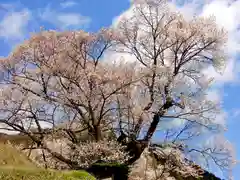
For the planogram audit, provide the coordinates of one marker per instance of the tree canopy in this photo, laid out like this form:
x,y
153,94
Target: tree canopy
x,y
70,77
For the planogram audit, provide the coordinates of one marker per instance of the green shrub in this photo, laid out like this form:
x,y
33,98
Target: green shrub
x,y
79,175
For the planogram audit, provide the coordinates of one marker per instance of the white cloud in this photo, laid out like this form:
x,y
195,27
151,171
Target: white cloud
x,y
226,13
64,20
68,4
14,24
226,16
5,7
214,96
126,14
8,130
236,113
230,74
171,124
72,19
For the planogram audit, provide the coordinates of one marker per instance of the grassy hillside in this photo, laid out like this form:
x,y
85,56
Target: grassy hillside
x,y
15,166
15,139
9,156
40,174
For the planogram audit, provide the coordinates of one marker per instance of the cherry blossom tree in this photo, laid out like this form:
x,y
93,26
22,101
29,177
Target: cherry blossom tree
x,y
59,74
173,52
69,77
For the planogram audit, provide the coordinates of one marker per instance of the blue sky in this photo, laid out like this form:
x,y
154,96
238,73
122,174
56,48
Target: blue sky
x,y
19,18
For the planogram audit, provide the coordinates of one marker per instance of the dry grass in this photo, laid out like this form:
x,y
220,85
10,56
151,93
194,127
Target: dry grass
x,y
10,156
15,139
15,166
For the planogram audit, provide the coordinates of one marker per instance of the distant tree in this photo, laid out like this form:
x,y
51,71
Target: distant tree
x,y
67,76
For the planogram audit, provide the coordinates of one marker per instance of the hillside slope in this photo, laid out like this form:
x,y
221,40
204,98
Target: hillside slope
x,y
9,156
15,166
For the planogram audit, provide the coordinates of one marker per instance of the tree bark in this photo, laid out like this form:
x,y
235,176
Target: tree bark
x,y
156,118
97,132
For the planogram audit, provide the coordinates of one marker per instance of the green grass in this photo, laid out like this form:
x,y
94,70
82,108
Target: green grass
x,y
15,166
41,174
79,175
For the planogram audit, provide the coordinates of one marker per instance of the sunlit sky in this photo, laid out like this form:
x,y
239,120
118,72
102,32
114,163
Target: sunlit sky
x,y
19,18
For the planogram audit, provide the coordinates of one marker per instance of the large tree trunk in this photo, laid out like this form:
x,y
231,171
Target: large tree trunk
x,y
136,147
152,127
97,132
156,118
